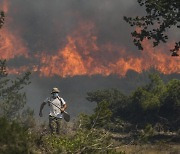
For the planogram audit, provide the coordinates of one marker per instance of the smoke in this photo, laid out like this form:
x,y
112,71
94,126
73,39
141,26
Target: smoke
x,y
74,89
44,25
76,39
80,37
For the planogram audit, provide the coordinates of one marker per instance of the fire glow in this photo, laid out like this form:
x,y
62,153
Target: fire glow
x,y
82,55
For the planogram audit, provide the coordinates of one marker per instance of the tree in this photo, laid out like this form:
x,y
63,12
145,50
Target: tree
x,y
154,103
145,106
116,99
156,85
102,115
170,108
160,16
13,137
12,99
146,101
110,95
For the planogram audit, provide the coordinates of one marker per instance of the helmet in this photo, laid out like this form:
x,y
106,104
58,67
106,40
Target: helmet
x,y
55,90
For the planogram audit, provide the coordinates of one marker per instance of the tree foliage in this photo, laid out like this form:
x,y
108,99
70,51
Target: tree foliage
x,y
171,103
161,15
12,99
102,115
116,99
156,102
13,137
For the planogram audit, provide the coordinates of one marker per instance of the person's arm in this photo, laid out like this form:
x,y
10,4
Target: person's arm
x,y
63,103
63,108
41,108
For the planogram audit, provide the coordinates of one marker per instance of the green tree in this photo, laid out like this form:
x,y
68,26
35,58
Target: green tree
x,y
155,102
156,85
160,16
146,100
171,103
145,106
118,102
102,115
13,137
12,99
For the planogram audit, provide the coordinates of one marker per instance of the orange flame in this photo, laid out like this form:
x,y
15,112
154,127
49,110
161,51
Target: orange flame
x,y
70,61
11,45
83,55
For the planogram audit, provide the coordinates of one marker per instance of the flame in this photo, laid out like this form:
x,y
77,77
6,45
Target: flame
x,y
84,55
11,45
17,71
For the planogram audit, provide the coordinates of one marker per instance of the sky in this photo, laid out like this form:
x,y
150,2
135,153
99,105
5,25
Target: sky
x,y
79,46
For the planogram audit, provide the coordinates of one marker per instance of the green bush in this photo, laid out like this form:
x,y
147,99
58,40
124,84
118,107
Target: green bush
x,y
84,141
13,137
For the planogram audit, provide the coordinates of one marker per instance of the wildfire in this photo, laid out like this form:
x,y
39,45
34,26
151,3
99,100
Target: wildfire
x,y
83,55
11,45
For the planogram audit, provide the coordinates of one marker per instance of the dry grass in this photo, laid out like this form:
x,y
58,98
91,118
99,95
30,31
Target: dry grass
x,y
150,149
165,143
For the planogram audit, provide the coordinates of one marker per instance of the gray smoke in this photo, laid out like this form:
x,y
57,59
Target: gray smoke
x,y
44,25
74,89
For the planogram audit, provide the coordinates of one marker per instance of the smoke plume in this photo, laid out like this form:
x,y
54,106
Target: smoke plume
x,y
75,44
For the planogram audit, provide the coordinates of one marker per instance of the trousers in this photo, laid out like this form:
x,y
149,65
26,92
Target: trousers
x,y
54,124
